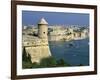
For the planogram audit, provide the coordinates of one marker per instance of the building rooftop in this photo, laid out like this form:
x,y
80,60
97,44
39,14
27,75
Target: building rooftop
x,y
43,21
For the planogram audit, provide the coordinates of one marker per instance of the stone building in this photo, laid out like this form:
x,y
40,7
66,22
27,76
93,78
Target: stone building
x,y
42,29
67,34
37,46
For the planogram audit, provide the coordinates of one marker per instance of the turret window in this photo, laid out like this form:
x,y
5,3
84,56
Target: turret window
x,y
44,32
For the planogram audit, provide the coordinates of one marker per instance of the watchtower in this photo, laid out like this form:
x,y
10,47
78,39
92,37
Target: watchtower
x,y
42,29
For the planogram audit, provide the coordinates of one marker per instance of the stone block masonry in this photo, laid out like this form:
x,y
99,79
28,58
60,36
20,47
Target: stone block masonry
x,y
37,46
37,53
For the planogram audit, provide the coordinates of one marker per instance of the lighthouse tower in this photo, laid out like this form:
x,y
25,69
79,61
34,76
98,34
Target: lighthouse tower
x,y
42,29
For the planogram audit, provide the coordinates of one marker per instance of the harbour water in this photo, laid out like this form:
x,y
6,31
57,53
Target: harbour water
x,y
74,52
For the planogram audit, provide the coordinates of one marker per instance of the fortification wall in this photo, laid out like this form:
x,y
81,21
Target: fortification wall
x,y
37,53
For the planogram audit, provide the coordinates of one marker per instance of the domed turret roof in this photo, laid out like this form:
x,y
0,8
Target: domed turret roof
x,y
43,21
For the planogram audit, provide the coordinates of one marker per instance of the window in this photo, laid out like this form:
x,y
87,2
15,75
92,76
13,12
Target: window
x,y
44,32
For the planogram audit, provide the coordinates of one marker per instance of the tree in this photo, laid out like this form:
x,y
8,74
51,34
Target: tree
x,y
29,58
24,55
26,59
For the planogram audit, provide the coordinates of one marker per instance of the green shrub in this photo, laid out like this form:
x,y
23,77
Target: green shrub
x,y
61,62
26,65
48,62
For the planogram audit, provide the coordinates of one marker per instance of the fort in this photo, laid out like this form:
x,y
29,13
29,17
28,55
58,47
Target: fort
x,y
36,39
37,46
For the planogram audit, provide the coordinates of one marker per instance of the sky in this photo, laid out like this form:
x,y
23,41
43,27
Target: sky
x,y
55,18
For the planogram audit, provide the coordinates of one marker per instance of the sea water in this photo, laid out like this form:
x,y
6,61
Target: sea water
x,y
74,52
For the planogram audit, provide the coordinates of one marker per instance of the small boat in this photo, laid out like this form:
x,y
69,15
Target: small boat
x,y
71,44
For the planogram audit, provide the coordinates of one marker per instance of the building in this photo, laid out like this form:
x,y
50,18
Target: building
x,y
37,46
42,29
